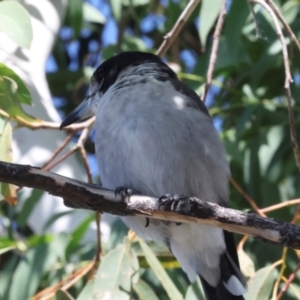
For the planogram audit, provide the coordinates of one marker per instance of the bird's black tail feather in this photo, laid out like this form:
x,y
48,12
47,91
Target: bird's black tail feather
x,y
218,293
229,266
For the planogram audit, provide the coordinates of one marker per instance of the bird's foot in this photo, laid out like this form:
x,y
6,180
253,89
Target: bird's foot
x,y
173,203
125,192
186,205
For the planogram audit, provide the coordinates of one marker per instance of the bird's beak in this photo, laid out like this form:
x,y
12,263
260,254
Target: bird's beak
x,y
85,110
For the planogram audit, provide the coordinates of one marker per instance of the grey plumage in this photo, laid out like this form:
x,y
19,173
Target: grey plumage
x,y
154,135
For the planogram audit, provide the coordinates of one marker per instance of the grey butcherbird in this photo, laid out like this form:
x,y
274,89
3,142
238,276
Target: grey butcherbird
x,y
154,135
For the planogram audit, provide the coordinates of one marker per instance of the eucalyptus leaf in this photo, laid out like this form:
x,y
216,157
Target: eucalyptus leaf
x,y
144,291
116,7
8,191
9,100
23,93
195,291
114,276
15,23
160,272
30,271
75,16
87,292
246,264
91,14
260,286
209,11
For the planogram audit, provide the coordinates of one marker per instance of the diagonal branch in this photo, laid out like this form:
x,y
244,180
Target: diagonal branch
x,y
215,48
77,194
288,76
172,35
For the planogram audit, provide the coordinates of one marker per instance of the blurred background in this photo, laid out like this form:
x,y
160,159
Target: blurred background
x,y
42,242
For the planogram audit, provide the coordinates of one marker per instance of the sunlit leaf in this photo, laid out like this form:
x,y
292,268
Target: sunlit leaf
x,y
87,292
15,22
22,90
115,274
294,290
260,286
116,7
131,43
195,291
30,270
160,272
8,191
246,264
91,14
289,11
135,2
7,249
144,291
208,15
9,100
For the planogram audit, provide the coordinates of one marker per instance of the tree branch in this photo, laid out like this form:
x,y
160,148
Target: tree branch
x,y
214,49
172,35
78,194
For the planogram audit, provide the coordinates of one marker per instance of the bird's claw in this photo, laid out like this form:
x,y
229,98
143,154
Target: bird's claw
x,y
125,192
172,202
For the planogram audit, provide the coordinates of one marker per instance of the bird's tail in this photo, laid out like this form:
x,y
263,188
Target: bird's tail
x,y
232,284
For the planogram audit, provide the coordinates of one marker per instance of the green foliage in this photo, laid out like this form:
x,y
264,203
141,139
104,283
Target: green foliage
x,y
13,93
15,23
261,284
247,102
208,14
6,190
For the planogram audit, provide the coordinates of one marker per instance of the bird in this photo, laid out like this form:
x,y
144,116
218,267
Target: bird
x,y
154,135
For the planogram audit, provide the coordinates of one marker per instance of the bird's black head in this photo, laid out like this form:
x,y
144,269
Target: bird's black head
x,y
118,67
108,72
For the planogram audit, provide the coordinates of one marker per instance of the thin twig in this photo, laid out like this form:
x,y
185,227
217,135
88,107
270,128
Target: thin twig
x,y
79,276
257,30
49,292
284,23
283,266
58,150
99,247
247,197
40,124
288,282
288,78
51,166
242,242
280,205
214,50
293,132
79,147
171,36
